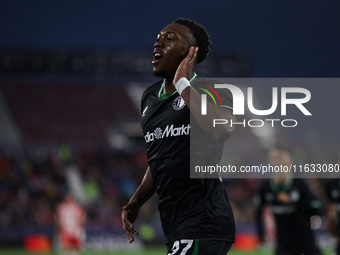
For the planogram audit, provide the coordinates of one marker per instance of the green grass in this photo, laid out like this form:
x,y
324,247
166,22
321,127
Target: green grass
x,y
148,251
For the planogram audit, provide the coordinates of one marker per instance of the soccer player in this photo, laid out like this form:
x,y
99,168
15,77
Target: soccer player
x,y
333,210
70,220
292,204
196,214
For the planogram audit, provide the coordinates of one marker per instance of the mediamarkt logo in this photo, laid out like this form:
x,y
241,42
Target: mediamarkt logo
x,y
169,131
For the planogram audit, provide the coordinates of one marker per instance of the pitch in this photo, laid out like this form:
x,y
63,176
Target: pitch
x,y
157,250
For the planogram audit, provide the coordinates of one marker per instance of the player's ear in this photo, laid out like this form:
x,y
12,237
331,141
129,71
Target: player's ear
x,y
196,58
186,52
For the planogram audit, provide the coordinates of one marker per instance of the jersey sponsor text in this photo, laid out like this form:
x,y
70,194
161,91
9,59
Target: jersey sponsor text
x,y
169,131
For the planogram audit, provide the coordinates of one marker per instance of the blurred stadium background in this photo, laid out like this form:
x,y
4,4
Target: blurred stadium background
x,y
71,77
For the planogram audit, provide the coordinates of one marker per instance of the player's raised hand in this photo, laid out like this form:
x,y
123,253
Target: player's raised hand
x,y
129,215
186,67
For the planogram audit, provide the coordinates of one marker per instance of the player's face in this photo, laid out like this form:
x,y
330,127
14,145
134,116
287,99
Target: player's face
x,y
171,47
280,158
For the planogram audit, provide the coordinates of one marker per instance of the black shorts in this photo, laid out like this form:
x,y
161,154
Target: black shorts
x,y
198,247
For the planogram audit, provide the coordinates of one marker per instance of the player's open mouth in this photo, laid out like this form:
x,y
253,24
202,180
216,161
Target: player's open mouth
x,y
157,56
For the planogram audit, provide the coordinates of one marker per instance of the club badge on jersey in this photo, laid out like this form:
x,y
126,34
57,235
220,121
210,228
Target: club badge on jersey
x,y
178,103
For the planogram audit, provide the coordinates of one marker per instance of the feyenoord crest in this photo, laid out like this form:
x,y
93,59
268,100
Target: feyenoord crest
x,y
178,103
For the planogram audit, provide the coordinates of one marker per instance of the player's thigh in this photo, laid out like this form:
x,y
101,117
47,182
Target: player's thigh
x,y
198,247
212,247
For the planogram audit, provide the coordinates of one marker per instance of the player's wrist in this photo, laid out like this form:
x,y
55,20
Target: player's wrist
x,y
182,84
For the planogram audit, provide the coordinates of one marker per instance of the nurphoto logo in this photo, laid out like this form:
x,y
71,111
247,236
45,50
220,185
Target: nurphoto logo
x,y
240,102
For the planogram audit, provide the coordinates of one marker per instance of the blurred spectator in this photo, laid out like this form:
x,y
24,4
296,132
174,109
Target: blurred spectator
x,y
70,221
292,204
333,210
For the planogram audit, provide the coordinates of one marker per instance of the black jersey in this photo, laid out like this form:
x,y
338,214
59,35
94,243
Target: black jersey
x,y
189,208
333,194
293,227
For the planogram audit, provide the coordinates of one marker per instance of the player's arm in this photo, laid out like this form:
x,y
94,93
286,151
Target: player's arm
x,y
193,100
308,204
130,211
219,132
331,218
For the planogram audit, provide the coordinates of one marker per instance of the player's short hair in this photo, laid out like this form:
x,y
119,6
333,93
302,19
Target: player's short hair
x,y
200,35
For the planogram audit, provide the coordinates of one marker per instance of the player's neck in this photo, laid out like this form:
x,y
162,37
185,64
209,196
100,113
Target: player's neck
x,y
169,85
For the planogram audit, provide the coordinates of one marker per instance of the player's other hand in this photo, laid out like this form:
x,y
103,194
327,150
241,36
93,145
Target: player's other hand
x,y
283,197
187,66
129,215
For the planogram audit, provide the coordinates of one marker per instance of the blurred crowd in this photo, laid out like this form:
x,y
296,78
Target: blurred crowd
x,y
32,184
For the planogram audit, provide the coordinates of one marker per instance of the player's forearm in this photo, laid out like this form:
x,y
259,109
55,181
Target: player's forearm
x,y
219,132
331,216
145,190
